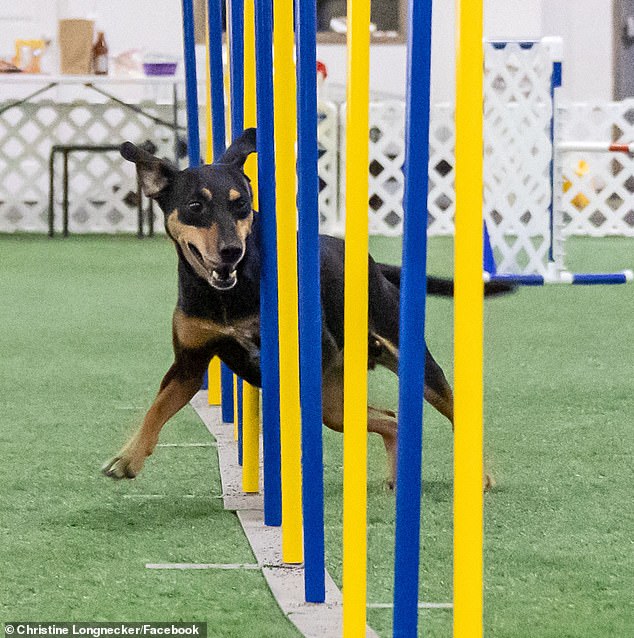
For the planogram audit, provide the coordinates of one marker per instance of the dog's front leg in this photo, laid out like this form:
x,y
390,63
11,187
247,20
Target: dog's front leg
x,y
179,385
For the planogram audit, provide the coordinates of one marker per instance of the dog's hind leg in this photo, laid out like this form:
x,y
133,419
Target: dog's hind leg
x,y
382,422
437,391
179,385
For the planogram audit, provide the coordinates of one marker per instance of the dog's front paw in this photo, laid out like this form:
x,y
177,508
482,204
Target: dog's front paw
x,y
124,465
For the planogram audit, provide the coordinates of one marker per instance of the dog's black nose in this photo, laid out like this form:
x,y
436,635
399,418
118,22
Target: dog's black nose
x,y
230,254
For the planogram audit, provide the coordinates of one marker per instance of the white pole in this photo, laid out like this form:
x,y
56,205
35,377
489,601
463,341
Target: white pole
x,y
595,147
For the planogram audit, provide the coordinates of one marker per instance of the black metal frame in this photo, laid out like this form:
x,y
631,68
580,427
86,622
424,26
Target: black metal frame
x,y
66,150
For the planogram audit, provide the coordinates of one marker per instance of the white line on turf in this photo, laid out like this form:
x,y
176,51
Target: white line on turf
x,y
176,496
421,605
229,566
211,444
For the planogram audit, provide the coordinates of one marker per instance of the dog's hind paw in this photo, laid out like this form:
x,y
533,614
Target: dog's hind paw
x,y
122,467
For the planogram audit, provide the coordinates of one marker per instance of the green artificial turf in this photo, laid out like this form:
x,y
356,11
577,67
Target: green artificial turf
x,y
85,340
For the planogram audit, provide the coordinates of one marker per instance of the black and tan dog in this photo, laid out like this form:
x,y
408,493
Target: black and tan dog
x,y
209,217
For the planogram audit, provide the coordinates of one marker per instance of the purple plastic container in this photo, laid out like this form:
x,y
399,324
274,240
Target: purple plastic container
x,y
159,68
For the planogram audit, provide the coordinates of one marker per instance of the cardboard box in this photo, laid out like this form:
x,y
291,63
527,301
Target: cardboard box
x,y
75,39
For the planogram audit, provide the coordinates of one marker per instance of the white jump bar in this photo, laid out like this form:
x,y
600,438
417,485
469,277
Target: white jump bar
x,y
596,147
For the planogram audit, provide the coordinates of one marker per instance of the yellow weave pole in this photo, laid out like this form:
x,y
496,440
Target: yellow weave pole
x,y
209,146
213,370
355,401
235,408
285,177
250,105
250,394
213,382
227,86
250,438
468,326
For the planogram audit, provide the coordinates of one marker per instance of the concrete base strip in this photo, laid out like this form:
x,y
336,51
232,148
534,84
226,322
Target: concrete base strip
x,y
230,472
229,566
285,581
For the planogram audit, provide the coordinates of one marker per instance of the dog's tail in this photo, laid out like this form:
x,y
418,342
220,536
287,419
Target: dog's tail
x,y
443,287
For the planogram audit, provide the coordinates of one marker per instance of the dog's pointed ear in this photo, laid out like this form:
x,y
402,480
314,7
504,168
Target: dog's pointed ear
x,y
155,174
236,155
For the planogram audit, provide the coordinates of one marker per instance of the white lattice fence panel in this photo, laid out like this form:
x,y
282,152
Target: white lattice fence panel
x,y
102,188
386,156
599,187
517,155
441,201
328,168
386,159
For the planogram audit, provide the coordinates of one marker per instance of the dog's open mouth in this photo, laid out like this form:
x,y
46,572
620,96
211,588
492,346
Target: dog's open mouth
x,y
223,278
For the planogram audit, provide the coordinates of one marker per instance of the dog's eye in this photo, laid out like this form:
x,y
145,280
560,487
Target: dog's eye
x,y
195,207
242,207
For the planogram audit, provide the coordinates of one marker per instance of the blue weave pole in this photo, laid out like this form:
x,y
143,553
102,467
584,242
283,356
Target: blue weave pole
x,y
309,302
236,70
269,337
216,80
191,86
412,322
216,77
226,393
239,395
236,66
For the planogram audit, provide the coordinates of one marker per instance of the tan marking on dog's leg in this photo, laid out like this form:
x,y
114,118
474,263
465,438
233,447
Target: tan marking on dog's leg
x,y
444,404
332,397
170,399
383,422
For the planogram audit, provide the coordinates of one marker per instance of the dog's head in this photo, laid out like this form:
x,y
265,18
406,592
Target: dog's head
x,y
208,209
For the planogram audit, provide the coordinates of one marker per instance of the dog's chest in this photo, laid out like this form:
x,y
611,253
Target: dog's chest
x,y
196,332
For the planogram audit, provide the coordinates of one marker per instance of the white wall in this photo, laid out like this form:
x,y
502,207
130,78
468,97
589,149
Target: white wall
x,y
502,19
24,19
155,25
586,26
152,25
